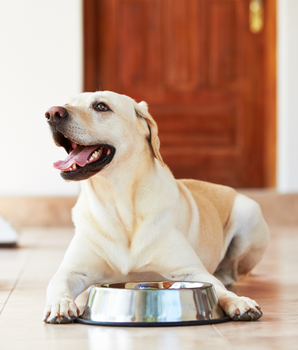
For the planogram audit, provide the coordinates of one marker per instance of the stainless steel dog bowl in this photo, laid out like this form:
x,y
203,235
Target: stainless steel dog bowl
x,y
165,303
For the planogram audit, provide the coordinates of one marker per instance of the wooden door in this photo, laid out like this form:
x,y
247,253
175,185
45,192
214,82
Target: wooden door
x,y
203,73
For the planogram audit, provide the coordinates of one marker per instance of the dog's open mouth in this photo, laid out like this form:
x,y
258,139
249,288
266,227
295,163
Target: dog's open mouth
x,y
82,161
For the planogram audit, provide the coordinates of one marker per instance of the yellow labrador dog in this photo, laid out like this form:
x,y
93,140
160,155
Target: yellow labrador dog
x,y
134,221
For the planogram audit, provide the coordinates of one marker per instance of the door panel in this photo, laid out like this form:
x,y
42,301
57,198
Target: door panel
x,y
180,45
222,30
136,45
201,71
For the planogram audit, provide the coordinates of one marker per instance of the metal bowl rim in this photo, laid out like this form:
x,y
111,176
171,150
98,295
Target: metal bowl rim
x,y
105,286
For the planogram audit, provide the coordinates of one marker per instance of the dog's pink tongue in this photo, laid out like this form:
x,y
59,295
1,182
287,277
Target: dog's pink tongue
x,y
77,156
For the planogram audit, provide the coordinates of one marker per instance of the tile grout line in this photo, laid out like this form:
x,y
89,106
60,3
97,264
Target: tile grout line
x,y
229,346
14,285
27,261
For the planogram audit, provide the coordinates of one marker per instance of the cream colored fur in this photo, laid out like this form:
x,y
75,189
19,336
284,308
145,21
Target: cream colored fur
x,y
134,221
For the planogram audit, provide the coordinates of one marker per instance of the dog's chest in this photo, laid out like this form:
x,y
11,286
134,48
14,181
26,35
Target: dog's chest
x,y
120,242
123,258
126,234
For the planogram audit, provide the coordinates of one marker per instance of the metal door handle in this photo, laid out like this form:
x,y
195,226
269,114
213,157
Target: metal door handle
x,y
256,16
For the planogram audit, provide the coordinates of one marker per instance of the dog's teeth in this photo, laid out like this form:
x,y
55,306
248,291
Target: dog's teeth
x,y
95,155
73,167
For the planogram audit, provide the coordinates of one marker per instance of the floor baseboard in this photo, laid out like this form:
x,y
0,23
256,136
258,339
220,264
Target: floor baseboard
x,y
37,211
278,209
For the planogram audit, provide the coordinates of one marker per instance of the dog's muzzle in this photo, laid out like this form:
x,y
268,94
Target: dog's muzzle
x,y
83,161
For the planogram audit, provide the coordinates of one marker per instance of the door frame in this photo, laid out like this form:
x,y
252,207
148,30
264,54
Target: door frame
x,y
270,86
90,52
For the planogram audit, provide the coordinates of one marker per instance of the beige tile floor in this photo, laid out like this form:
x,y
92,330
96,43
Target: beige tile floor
x,y
26,271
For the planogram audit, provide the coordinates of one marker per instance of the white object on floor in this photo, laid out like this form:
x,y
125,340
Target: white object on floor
x,y
7,234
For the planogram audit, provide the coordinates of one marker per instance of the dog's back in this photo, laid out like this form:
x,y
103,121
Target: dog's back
x,y
208,194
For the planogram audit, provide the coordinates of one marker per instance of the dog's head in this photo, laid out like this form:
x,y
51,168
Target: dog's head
x,y
98,129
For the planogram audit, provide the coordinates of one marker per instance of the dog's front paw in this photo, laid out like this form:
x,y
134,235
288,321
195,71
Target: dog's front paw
x,y
242,309
62,311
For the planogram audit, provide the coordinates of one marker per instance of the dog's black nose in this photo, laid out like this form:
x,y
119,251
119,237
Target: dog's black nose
x,y
56,114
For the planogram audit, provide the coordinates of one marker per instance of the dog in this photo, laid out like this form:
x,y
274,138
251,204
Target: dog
x,y
134,221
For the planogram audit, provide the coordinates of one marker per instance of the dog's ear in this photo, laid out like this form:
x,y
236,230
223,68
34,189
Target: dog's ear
x,y
142,112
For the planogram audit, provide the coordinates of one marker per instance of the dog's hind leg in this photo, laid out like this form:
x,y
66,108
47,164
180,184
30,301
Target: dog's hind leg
x,y
246,240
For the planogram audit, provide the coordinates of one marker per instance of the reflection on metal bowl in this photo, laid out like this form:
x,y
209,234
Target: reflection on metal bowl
x,y
165,303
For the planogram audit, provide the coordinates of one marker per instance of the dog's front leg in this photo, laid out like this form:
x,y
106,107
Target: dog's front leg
x,y
80,268
63,289
181,263
238,308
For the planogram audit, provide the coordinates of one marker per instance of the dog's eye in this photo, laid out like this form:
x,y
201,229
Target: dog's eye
x,y
101,107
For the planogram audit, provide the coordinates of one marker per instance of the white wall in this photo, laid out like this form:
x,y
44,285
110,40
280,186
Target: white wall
x,y
287,146
40,66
